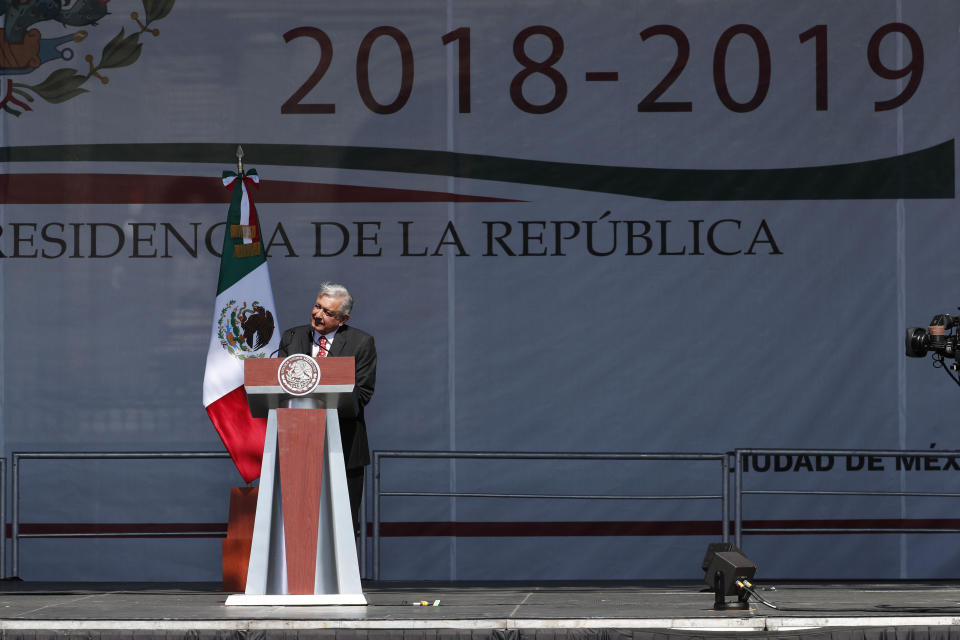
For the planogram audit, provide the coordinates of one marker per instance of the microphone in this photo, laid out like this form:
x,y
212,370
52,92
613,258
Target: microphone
x,y
282,346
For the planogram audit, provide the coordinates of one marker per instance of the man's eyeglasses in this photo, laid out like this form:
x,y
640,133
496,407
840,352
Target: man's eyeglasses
x,y
326,312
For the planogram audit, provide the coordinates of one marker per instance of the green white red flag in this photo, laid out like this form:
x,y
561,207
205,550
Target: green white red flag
x,y
244,326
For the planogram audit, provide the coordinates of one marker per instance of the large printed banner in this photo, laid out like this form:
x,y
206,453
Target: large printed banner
x,y
582,227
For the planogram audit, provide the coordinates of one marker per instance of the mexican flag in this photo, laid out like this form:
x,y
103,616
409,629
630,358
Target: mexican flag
x,y
244,326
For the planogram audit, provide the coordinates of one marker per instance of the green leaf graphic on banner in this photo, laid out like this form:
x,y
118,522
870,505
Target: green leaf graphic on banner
x,y
121,51
157,9
61,85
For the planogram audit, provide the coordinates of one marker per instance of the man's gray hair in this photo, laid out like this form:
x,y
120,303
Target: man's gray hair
x,y
335,290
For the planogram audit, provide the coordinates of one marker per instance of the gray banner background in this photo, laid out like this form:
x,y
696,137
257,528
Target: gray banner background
x,y
800,347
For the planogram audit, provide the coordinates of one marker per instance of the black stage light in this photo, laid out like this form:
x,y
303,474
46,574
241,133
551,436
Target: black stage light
x,y
728,573
713,548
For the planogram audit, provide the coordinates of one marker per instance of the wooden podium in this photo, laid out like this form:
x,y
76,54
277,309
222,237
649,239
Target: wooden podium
x,y
303,550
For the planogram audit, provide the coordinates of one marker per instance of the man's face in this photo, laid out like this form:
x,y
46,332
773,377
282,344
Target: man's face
x,y
325,315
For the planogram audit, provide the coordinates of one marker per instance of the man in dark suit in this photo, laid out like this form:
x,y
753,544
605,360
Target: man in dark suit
x,y
329,335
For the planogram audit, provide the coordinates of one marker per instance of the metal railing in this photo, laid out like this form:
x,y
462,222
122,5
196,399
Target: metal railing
x,y
3,517
105,455
735,458
740,491
379,494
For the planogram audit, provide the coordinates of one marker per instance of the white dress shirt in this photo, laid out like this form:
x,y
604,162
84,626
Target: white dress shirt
x,y
315,347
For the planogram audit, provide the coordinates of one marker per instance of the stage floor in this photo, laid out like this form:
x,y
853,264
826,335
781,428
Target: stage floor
x,y
169,608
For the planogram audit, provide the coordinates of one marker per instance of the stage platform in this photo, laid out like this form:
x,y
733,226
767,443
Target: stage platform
x,y
485,610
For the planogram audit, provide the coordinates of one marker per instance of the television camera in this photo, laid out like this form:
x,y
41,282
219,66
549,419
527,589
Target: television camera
x,y
942,337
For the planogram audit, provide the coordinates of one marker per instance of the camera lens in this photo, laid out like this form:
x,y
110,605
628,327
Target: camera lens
x,y
917,342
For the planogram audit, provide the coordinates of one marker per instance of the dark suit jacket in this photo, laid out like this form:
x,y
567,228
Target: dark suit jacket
x,y
360,345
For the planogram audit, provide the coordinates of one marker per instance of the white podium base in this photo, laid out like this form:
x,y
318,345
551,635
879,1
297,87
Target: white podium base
x,y
337,570
343,599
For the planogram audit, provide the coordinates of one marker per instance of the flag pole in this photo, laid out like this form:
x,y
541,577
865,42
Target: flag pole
x,y
239,160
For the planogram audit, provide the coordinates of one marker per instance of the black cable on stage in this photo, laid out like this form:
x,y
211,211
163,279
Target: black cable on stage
x,y
875,610
746,586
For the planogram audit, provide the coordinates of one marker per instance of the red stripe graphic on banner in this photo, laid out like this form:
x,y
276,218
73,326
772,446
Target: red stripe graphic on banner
x,y
105,188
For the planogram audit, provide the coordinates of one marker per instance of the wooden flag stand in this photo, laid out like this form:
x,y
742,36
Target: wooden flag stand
x,y
303,550
236,546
